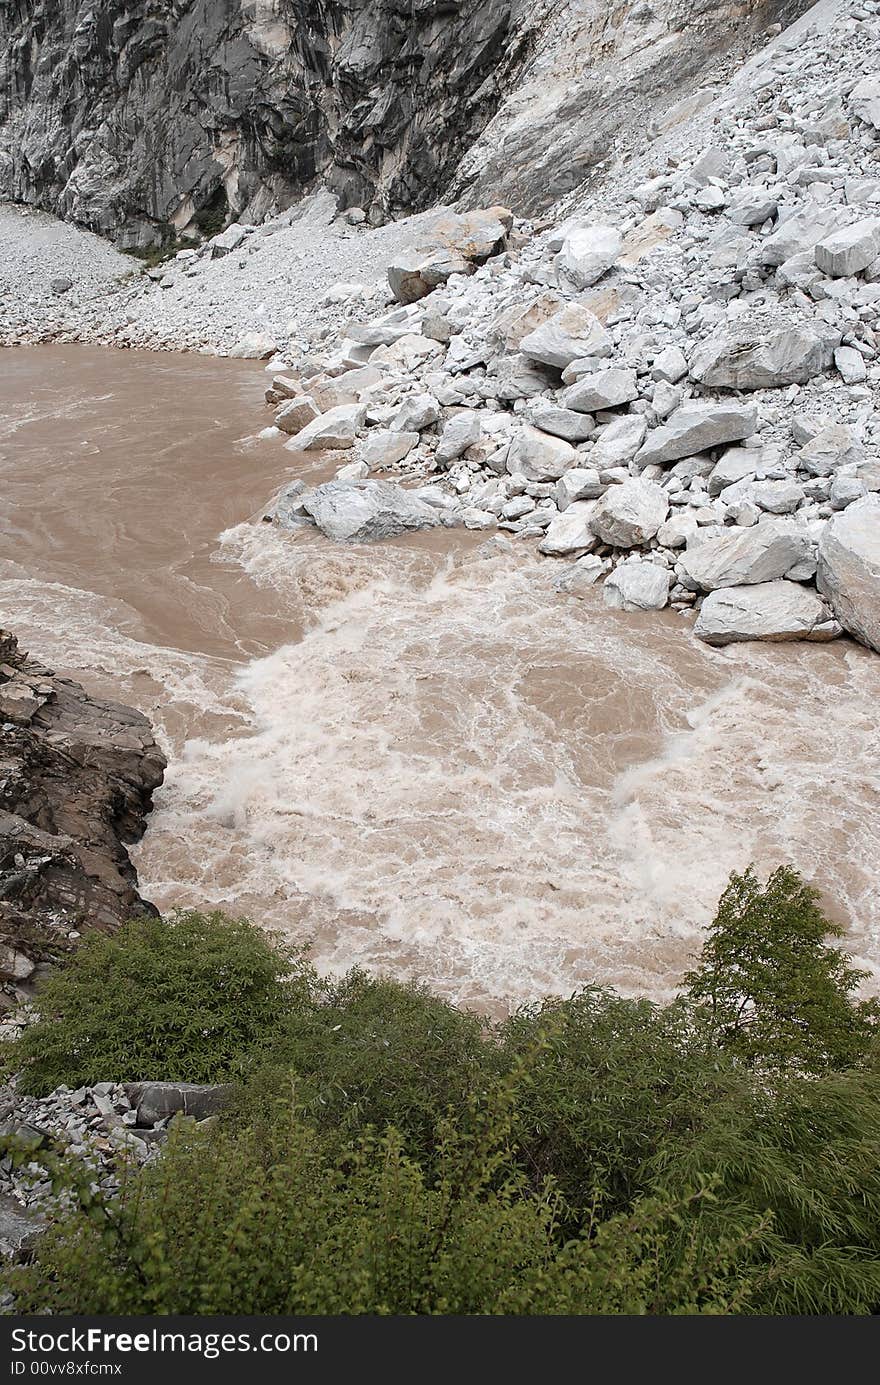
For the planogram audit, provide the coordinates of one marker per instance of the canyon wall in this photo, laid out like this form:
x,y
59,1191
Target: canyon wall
x,y
141,118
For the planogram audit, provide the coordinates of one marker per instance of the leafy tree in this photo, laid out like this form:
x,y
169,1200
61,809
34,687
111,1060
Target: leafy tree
x,y
187,998
369,1051
776,993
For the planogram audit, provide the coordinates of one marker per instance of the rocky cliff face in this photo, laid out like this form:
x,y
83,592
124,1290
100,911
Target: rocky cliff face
x,y
76,780
131,116
139,117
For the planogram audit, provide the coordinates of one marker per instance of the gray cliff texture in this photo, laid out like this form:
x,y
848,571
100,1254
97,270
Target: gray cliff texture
x,y
146,114
139,118
77,776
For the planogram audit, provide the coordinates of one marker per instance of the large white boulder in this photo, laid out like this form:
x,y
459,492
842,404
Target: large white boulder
x,y
864,100
462,431
540,457
587,253
414,413
338,428
363,511
744,358
567,336
742,557
773,611
799,232
637,585
618,442
835,446
562,423
581,483
293,416
849,568
570,533
630,514
383,448
695,427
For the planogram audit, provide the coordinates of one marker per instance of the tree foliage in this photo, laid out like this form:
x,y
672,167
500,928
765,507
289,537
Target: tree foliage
x,y
777,994
389,1153
183,999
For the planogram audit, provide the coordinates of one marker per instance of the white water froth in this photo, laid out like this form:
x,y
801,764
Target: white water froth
x,y
458,775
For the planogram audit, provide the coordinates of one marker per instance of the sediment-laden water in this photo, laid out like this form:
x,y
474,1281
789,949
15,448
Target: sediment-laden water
x,y
416,754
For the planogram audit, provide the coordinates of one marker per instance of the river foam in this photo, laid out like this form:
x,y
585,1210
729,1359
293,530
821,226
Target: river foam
x,y
416,755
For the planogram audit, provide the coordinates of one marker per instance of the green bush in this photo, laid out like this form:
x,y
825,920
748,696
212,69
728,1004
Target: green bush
x,y
606,1083
277,1221
189,998
389,1153
370,1052
804,1155
775,993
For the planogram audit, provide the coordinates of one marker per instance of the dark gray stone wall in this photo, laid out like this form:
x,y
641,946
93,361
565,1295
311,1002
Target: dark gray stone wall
x,y
132,116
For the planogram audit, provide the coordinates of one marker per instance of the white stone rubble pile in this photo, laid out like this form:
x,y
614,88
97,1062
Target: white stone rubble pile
x,y
675,387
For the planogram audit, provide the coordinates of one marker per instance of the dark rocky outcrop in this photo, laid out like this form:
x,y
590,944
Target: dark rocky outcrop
x,y
77,776
136,116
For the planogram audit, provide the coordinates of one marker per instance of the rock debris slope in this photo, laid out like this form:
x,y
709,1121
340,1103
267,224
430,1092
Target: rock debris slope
x,y
76,781
675,386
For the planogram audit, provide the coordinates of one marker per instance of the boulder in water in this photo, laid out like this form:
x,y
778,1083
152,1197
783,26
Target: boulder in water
x,y
364,511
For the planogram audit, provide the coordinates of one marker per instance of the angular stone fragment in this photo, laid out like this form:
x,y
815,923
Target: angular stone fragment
x,y
462,431
864,100
772,611
637,585
742,557
416,412
849,568
587,253
742,359
364,511
562,423
629,515
538,456
570,533
695,427
830,448
581,483
849,250
338,428
606,389
569,334
293,416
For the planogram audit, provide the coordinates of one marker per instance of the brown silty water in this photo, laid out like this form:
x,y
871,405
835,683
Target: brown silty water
x,y
415,754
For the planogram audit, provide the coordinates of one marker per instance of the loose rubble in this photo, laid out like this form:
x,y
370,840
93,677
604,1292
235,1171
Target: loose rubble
x,y
104,1128
676,381
678,368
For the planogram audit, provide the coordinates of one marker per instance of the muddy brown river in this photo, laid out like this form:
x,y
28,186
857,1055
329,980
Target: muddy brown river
x,y
415,755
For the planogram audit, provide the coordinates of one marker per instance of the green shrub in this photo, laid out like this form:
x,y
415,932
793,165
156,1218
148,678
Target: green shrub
x,y
189,998
804,1154
606,1083
375,1052
278,1221
775,993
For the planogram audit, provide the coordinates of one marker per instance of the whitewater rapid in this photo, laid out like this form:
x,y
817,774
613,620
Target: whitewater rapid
x,y
417,756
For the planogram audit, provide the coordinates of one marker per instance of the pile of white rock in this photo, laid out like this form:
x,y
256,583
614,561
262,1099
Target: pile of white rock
x,y
674,388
